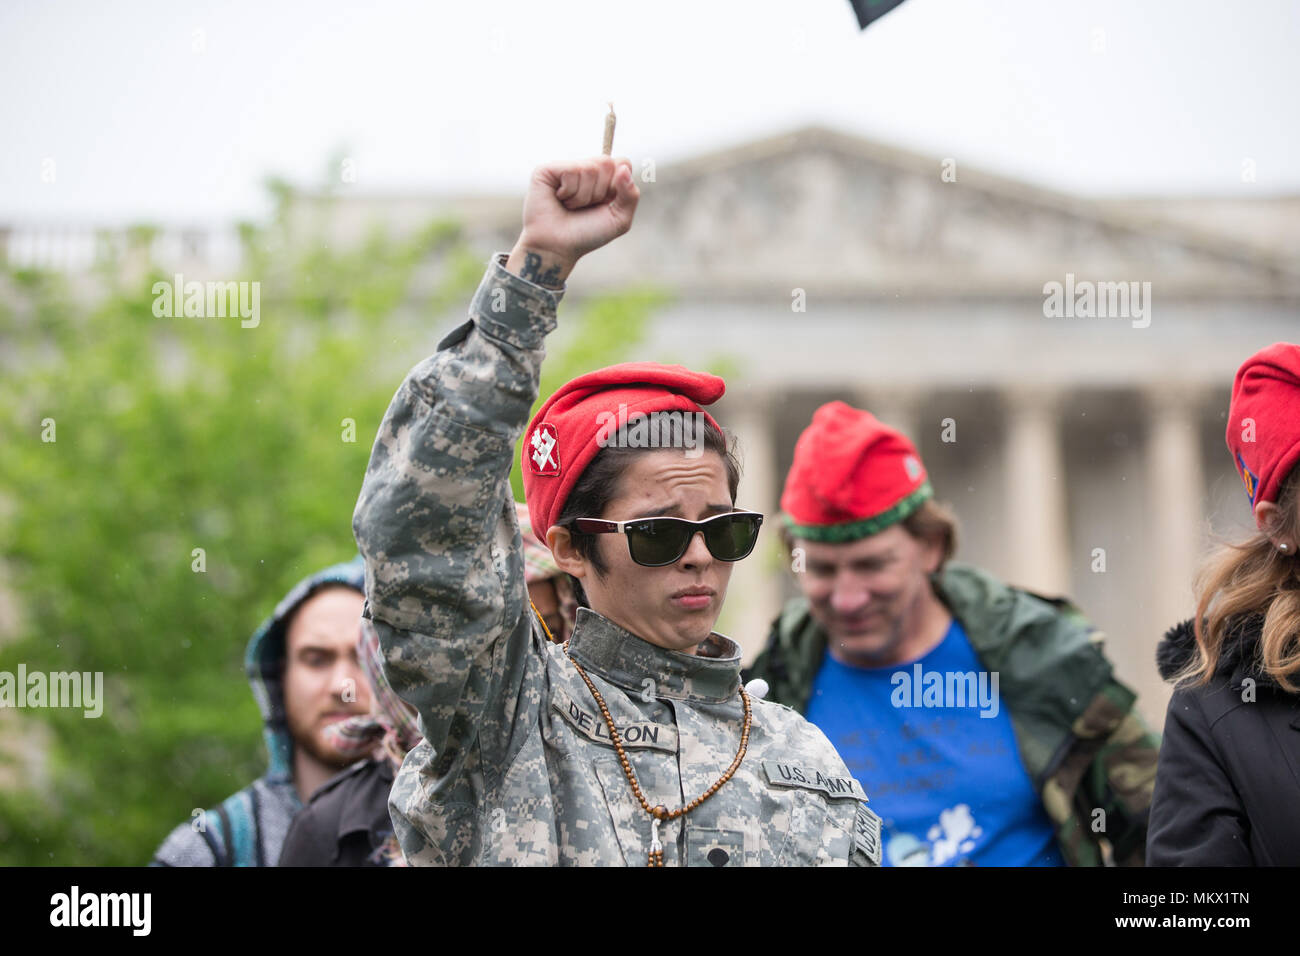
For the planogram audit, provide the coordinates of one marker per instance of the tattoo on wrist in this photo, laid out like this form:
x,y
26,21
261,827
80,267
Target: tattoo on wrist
x,y
532,271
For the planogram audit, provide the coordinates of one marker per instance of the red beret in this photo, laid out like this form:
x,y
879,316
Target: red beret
x,y
852,477
1264,420
562,438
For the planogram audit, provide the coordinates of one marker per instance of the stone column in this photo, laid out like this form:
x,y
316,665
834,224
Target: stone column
x,y
1174,490
898,408
1036,518
754,594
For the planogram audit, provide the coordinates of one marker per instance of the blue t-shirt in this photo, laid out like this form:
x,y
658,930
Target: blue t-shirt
x,y
937,756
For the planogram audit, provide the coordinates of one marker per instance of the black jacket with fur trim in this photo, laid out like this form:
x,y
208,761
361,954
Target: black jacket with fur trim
x,y
1227,787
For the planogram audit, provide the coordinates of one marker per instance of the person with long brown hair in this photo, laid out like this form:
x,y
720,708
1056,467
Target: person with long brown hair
x,y
1228,780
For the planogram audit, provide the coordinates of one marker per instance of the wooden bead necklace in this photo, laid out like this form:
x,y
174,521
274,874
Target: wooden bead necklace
x,y
661,814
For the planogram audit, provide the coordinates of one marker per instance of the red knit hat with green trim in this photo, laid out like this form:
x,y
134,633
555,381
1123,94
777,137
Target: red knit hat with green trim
x,y
852,477
1264,420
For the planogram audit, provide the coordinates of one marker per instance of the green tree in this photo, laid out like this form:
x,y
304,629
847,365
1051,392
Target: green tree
x,y
177,434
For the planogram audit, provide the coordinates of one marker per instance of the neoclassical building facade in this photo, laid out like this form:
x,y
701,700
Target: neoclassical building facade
x,y
1081,447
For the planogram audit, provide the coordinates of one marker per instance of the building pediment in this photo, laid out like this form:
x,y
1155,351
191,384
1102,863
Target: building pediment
x,y
820,208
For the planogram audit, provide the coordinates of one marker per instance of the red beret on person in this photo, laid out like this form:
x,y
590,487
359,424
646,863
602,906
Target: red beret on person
x,y
1264,420
852,476
562,438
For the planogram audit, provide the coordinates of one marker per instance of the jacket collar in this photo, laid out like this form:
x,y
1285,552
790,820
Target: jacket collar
x,y
1238,654
710,676
358,812
1048,655
1050,667
994,615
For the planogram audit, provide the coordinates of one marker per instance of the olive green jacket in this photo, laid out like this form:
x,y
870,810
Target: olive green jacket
x,y
1084,746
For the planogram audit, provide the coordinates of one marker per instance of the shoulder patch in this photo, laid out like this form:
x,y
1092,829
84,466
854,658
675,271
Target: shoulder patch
x,y
347,772
866,835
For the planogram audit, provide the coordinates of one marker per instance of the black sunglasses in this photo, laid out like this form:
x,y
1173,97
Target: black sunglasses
x,y
655,542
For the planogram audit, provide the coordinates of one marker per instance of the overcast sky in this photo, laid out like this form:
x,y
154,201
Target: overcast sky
x,y
176,111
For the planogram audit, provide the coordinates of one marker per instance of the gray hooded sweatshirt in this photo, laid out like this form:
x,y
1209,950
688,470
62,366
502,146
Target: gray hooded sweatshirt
x,y
248,828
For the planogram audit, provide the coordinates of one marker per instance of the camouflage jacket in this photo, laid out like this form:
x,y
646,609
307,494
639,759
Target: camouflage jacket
x,y
1084,747
517,765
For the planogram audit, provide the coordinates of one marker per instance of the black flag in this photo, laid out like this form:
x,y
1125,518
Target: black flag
x,y
869,11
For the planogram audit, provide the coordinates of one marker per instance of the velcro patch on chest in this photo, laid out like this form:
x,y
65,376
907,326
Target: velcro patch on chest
x,y
781,774
587,720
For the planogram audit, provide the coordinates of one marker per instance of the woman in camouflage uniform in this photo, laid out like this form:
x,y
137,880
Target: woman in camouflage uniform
x,y
634,742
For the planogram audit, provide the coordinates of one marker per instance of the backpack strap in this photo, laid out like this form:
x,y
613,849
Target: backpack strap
x,y
257,827
238,817
221,851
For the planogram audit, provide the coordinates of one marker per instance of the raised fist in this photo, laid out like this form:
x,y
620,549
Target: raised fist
x,y
571,209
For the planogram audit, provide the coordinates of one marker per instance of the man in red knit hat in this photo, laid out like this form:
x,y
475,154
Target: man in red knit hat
x,y
633,742
985,725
